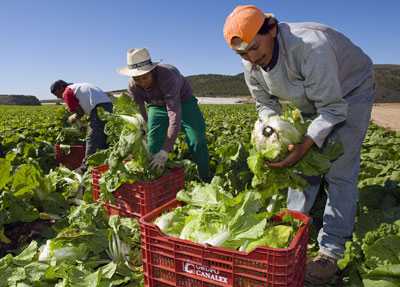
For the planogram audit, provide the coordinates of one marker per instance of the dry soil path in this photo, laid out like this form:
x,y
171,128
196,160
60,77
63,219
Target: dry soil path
x,y
387,116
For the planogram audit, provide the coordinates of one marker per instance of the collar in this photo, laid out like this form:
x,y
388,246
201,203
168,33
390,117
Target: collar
x,y
274,58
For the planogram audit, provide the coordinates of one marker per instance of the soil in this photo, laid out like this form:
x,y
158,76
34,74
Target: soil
x,y
387,115
22,233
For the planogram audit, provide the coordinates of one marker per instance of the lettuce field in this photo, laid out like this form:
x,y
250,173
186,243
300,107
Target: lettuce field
x,y
53,234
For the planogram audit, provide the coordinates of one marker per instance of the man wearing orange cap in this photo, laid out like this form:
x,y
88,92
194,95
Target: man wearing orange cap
x,y
327,77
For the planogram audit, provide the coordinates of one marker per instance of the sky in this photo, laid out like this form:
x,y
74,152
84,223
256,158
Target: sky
x,y
87,40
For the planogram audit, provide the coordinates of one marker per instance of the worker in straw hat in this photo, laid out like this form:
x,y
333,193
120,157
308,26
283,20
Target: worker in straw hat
x,y
171,107
84,99
328,78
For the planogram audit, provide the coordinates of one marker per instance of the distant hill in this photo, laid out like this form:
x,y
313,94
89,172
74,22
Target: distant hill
x,y
218,85
215,85
387,84
387,79
19,100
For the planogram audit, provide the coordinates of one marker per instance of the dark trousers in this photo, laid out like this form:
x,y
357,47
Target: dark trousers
x,y
96,138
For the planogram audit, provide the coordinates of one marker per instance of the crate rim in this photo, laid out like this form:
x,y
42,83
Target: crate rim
x,y
137,198
144,220
174,169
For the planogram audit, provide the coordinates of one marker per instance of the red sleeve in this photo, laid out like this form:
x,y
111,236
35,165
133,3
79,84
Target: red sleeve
x,y
70,99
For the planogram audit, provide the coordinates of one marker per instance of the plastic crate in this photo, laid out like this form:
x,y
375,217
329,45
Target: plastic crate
x,y
139,198
169,261
73,159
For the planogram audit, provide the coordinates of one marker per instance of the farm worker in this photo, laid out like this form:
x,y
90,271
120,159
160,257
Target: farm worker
x,y
325,75
84,98
171,107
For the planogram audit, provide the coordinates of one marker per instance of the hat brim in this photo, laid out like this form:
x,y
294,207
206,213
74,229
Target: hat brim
x,y
126,71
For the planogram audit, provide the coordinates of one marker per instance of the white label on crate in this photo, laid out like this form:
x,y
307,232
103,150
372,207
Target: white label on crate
x,y
204,272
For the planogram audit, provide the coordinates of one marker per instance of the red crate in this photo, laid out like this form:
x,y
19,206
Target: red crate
x,y
139,198
169,261
74,159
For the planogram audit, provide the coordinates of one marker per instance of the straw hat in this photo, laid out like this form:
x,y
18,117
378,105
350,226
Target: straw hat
x,y
139,63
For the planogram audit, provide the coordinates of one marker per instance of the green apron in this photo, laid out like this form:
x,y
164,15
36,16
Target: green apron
x,y
194,127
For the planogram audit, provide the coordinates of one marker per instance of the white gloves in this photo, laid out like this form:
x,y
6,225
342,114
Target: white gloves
x,y
72,119
158,160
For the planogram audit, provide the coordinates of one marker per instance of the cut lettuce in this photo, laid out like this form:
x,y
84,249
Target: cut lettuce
x,y
212,216
271,138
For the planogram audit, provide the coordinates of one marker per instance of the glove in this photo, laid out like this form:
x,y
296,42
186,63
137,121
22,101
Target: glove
x,y
72,118
158,160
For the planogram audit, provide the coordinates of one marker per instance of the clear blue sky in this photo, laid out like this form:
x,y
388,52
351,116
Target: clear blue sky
x,y
86,41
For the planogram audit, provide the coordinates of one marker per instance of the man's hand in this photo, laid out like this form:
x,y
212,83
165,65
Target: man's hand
x,y
297,151
72,119
158,160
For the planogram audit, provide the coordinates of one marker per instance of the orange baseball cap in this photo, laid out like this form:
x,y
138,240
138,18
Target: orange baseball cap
x,y
244,22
